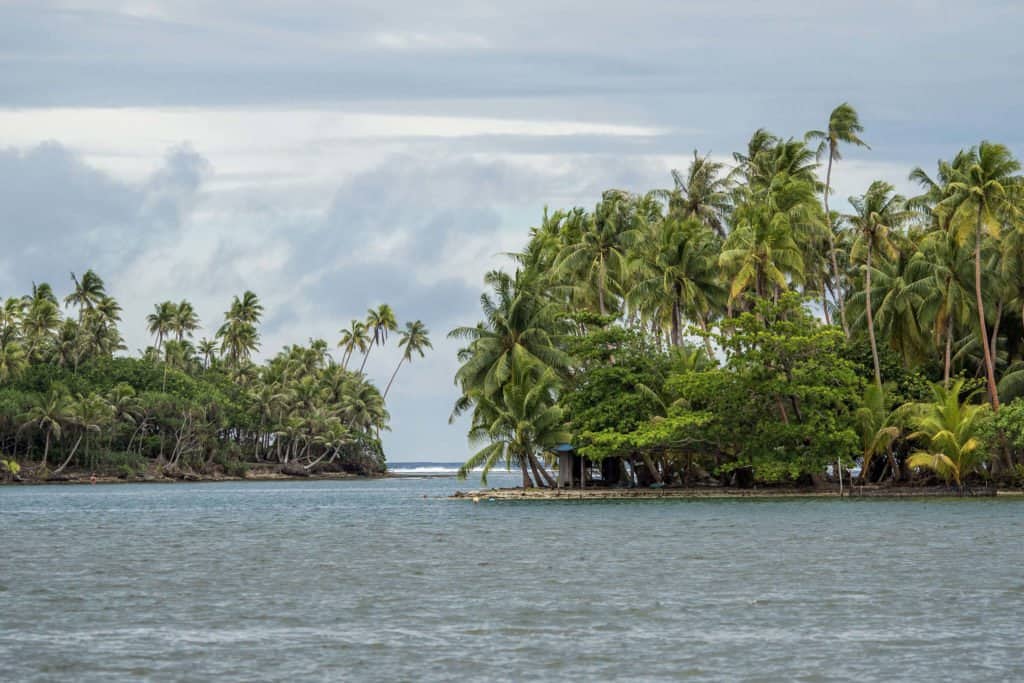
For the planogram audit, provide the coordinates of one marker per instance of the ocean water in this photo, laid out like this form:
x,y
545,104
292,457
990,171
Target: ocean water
x,y
387,580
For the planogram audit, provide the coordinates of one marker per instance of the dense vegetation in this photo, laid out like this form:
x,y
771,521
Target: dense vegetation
x,y
737,328
70,398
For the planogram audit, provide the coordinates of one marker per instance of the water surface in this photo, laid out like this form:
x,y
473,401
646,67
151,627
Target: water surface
x,y
387,580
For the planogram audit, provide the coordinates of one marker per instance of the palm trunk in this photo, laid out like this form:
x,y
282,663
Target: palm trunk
x,y
707,341
526,475
600,288
989,369
365,357
995,331
871,319
71,455
538,467
388,387
832,248
676,325
949,353
46,449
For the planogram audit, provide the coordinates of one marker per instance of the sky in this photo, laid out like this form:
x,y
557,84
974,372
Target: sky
x,y
334,155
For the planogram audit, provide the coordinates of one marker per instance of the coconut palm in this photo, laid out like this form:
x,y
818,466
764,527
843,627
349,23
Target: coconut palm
x,y
415,339
843,127
518,327
185,321
378,323
352,339
207,348
878,429
87,293
981,197
525,424
13,359
160,322
597,259
948,428
49,412
703,194
877,213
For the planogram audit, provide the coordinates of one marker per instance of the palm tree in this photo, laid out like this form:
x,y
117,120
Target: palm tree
x,y
161,321
518,327
843,127
185,320
677,271
703,194
525,423
949,429
88,292
876,213
39,325
378,323
13,359
982,190
414,339
760,253
598,257
353,338
89,414
48,412
207,349
878,429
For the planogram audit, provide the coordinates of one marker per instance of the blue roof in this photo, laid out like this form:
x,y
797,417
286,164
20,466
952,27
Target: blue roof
x,y
564,448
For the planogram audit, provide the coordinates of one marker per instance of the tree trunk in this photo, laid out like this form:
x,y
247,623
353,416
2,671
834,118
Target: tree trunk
x,y
983,330
655,472
600,288
832,248
707,340
871,318
46,449
676,325
540,473
995,331
365,356
526,475
388,387
72,454
949,352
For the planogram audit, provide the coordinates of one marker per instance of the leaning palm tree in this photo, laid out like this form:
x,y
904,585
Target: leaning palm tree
x,y
877,213
703,194
48,413
378,323
982,194
524,425
415,339
843,127
949,429
352,339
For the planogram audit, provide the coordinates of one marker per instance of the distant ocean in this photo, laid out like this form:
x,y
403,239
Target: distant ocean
x,y
424,467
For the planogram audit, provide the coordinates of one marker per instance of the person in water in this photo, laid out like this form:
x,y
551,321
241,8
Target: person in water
x,y
92,478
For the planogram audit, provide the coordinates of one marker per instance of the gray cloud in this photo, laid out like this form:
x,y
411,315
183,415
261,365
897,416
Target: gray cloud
x,y
58,213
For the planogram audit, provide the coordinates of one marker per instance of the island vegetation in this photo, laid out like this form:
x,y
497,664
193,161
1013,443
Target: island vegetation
x,y
737,329
72,400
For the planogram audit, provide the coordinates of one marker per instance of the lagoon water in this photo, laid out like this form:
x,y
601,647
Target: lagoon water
x,y
387,580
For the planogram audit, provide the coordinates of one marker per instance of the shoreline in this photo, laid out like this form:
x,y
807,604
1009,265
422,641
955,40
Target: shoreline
x,y
79,479
598,494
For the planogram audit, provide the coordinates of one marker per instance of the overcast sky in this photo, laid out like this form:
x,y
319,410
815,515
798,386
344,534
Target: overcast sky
x,y
331,156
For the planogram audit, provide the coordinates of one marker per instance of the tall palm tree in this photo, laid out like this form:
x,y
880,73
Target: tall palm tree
x,y
87,293
702,194
415,339
160,322
378,323
983,191
598,257
185,320
677,272
352,339
13,359
877,213
760,253
843,127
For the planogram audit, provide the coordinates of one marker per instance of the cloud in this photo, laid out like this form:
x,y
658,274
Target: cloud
x,y
60,214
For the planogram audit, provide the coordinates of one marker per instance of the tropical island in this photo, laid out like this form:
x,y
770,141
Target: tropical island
x,y
74,408
736,330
